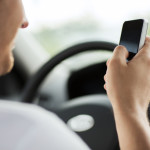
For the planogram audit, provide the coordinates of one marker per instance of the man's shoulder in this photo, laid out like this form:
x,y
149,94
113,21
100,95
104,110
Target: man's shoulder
x,y
27,125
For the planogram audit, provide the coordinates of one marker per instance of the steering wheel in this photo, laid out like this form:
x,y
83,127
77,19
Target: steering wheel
x,y
89,116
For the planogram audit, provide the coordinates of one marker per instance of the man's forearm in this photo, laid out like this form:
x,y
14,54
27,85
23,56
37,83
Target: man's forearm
x,y
133,130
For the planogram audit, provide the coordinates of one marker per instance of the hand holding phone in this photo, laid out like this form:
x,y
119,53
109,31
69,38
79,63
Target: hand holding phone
x,y
133,35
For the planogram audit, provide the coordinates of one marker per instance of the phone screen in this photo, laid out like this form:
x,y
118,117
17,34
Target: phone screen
x,y
131,33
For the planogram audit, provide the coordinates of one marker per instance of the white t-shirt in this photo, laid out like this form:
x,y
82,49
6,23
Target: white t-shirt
x,y
29,127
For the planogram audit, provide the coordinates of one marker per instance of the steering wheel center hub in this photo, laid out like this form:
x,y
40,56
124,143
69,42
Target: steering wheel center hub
x,y
81,123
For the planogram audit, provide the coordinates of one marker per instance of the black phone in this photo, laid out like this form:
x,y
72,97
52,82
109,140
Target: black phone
x,y
133,36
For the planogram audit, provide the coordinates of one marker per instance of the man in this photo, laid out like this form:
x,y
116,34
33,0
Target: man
x,y
27,127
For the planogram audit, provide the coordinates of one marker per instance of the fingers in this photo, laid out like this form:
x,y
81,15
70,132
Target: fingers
x,y
107,63
105,87
121,54
146,46
147,42
105,82
145,51
105,77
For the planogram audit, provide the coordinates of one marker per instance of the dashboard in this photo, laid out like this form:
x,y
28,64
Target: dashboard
x,y
87,81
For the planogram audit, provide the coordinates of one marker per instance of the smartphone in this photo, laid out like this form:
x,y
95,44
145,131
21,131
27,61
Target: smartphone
x,y
133,36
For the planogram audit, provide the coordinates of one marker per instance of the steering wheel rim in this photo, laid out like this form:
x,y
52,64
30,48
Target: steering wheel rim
x,y
29,92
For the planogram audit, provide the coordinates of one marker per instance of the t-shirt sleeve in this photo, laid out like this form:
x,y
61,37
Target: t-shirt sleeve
x,y
29,127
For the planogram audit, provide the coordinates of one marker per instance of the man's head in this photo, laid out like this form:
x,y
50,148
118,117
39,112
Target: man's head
x,y
12,17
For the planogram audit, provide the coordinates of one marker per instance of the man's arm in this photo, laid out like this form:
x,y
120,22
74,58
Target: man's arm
x,y
133,130
128,88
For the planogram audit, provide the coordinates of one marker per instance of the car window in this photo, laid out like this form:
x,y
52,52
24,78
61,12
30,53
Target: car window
x,y
61,23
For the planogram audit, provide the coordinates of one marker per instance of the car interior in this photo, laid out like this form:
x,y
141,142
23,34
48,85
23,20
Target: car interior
x,y
60,67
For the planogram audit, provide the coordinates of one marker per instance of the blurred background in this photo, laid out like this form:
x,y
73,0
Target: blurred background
x,y
57,24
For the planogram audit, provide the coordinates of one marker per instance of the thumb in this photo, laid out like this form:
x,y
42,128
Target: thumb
x,y
120,53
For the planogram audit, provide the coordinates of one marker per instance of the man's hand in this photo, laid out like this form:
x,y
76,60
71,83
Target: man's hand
x,y
128,88
128,84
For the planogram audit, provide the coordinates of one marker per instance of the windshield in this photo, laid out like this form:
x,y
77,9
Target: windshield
x,y
58,24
